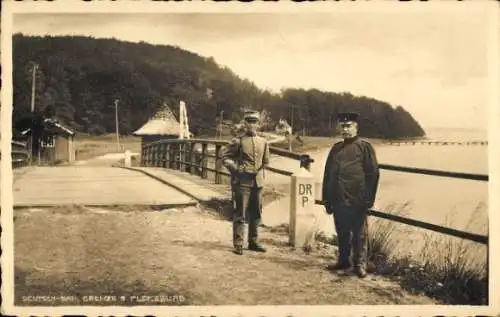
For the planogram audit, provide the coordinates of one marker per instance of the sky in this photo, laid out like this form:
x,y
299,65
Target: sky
x,y
434,64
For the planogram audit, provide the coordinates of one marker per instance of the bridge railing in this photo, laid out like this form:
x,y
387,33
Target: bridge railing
x,y
200,156
192,156
425,225
19,153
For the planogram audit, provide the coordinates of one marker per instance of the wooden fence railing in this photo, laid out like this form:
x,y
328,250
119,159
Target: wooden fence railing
x,y
192,156
19,154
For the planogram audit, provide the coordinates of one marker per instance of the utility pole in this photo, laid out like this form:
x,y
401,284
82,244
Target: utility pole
x,y
33,96
219,128
35,67
116,123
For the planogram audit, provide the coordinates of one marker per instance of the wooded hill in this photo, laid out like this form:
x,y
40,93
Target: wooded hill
x,y
78,79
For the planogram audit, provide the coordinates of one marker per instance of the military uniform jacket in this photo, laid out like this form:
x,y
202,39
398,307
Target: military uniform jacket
x,y
351,174
249,154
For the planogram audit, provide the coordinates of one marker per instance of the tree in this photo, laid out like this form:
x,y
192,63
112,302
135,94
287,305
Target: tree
x,y
80,77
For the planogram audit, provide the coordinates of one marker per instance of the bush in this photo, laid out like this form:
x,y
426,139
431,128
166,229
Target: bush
x,y
381,241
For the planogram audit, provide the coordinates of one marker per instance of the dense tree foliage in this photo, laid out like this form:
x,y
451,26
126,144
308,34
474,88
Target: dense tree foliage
x,y
79,78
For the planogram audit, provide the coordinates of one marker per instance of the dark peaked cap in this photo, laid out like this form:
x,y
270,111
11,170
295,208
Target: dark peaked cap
x,y
348,116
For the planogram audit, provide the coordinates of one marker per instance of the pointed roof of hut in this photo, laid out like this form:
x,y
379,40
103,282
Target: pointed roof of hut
x,y
52,124
163,122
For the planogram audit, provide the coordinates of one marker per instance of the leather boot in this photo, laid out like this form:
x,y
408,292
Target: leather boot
x,y
339,266
256,247
360,271
238,250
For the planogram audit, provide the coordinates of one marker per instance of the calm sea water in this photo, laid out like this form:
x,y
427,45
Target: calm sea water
x,y
459,134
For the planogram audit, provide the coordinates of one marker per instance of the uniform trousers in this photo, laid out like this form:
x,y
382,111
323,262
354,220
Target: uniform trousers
x,y
352,232
248,206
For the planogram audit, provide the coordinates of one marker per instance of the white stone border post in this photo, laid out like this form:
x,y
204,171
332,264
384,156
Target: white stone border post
x,y
302,202
128,159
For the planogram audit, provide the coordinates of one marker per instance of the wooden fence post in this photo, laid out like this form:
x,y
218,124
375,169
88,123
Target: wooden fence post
x,y
155,155
192,158
173,156
151,155
185,157
218,164
204,160
148,155
179,156
161,154
167,155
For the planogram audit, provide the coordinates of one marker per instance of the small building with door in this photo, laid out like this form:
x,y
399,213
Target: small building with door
x,y
56,144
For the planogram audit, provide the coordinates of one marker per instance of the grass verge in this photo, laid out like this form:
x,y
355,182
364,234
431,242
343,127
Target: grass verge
x,y
88,146
451,270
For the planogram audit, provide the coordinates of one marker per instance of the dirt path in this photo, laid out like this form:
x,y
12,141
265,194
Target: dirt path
x,y
182,253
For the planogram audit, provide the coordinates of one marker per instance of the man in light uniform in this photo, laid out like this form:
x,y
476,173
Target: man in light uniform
x,y
350,184
237,131
246,157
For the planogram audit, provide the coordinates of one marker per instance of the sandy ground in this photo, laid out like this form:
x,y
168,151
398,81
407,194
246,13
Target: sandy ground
x,y
182,255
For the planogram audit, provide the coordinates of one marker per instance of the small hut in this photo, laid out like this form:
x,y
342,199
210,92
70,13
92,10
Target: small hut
x,y
56,144
163,125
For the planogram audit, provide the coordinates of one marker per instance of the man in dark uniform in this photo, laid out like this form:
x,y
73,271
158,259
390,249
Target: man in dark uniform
x,y
246,157
350,184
